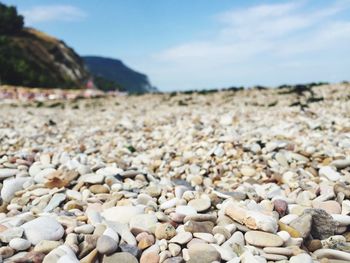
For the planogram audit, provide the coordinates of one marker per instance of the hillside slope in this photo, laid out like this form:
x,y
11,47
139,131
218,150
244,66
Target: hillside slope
x,y
116,71
34,59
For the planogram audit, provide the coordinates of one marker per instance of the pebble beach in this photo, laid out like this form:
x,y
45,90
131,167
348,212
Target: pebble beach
x,y
251,176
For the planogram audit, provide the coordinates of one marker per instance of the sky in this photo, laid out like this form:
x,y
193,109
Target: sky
x,y
200,44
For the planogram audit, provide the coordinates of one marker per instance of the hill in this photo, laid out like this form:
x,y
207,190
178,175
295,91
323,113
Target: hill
x,y
34,59
116,71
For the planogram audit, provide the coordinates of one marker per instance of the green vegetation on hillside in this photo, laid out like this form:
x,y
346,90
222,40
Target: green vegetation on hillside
x,y
10,21
18,69
33,59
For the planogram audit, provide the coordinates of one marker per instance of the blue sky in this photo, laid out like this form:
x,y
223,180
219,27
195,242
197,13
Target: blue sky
x,y
195,44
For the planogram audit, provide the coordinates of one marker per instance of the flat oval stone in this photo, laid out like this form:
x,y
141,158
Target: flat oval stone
x,y
186,210
331,207
43,228
203,253
343,220
200,218
46,246
168,204
124,257
92,178
263,239
341,163
279,250
329,173
19,244
7,172
181,238
84,229
332,254
201,204
247,171
301,258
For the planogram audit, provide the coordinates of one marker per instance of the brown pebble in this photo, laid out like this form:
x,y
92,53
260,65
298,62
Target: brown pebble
x,y
98,189
202,227
145,241
149,257
314,245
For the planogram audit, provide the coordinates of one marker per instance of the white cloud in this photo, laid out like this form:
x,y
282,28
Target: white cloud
x,y
259,39
40,14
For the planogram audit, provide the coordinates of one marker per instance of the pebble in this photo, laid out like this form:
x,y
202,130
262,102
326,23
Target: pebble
x,y
263,239
19,244
332,254
45,246
145,240
106,245
247,171
194,226
98,189
252,219
314,245
92,178
200,218
226,253
84,229
133,250
55,201
301,258
165,231
174,249
7,172
331,207
8,234
341,163
181,238
186,210
323,225
202,253
42,228
279,251
151,257
281,207
6,252
124,257
11,186
168,204
329,173
343,220
200,205
205,236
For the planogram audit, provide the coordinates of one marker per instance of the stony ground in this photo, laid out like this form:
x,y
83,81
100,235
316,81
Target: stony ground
x,y
246,176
